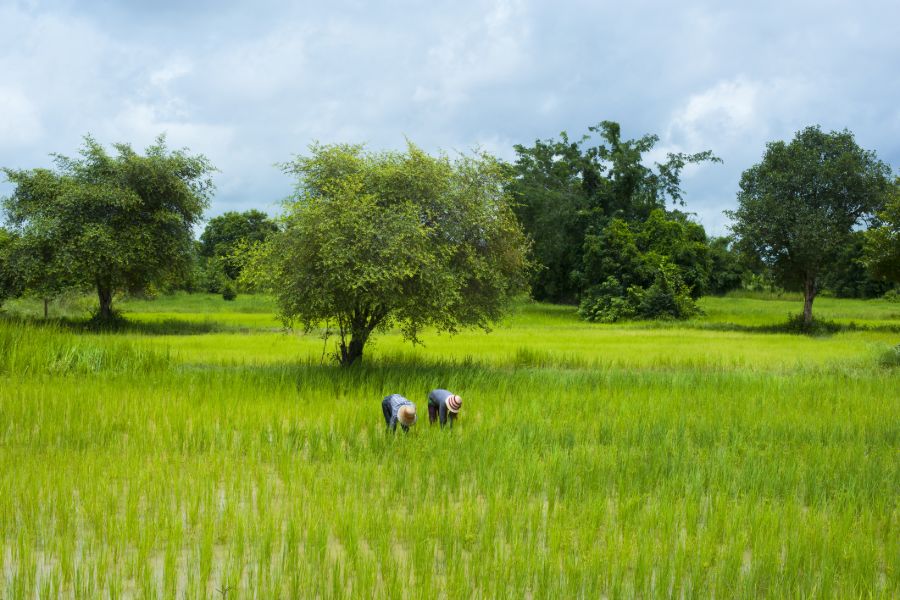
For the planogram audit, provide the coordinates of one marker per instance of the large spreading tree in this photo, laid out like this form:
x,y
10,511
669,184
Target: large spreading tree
x,y
798,208
117,222
379,239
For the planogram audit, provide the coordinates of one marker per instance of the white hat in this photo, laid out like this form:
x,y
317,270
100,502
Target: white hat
x,y
406,414
454,403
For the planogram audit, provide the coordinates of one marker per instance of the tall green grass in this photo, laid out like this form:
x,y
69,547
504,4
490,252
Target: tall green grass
x,y
588,461
29,349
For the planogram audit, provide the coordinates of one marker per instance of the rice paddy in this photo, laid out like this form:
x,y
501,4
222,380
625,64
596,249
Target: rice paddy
x,y
202,452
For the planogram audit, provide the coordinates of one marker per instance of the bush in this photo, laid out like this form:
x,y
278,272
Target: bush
x,y
891,358
892,295
667,298
228,292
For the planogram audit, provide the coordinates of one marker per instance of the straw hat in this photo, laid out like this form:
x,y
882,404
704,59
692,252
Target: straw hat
x,y
407,414
454,403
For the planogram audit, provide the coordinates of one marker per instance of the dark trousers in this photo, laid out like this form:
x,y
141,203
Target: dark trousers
x,y
386,409
434,414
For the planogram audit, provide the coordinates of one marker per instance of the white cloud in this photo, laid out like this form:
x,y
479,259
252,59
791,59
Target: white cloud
x,y
141,123
489,51
258,68
20,122
728,109
251,85
169,72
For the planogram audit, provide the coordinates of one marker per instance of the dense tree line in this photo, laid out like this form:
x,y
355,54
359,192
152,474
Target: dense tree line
x,y
374,239
609,233
606,229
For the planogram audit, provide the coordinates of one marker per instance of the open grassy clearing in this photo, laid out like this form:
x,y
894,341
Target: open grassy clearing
x,y
590,460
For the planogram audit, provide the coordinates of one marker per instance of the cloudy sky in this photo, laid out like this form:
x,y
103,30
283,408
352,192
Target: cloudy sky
x,y
249,84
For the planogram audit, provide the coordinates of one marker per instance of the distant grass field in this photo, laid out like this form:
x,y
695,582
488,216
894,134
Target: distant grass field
x,y
202,452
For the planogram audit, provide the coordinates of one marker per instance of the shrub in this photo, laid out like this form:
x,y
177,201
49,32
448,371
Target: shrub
x,y
668,297
892,295
228,292
891,358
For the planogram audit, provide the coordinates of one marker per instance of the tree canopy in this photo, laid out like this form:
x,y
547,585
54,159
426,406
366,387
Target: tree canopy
x,y
113,222
882,243
223,244
645,270
379,239
7,278
798,207
224,232
567,190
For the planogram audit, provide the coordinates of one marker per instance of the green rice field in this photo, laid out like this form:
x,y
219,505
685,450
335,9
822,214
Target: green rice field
x,y
204,452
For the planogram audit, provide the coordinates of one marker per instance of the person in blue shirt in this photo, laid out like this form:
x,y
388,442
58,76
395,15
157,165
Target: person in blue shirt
x,y
444,406
396,409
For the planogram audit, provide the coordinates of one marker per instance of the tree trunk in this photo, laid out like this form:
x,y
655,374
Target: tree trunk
x,y
352,351
359,326
104,294
809,293
46,302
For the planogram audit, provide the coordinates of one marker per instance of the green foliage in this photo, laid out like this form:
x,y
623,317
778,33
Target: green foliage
x,y
209,274
649,270
848,277
682,242
891,358
33,263
34,267
882,248
798,207
726,273
224,234
667,297
892,295
375,240
613,252
565,189
229,292
607,302
8,282
116,223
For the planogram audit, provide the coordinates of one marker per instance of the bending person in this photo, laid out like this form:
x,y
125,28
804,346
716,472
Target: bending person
x,y
397,408
443,405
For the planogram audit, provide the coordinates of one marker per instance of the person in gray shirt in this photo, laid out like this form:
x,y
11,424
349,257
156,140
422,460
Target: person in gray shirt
x,y
396,409
443,405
